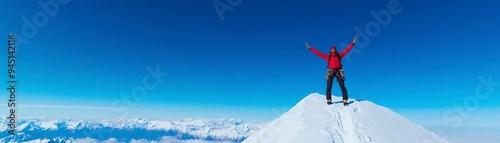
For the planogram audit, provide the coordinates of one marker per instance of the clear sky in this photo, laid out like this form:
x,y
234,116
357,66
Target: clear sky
x,y
252,64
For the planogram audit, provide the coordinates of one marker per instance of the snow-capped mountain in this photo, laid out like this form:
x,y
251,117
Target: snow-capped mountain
x,y
45,130
312,121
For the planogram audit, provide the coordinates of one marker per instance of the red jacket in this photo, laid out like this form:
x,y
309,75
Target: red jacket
x,y
334,62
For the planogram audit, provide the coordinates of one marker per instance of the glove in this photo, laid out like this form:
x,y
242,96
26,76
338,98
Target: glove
x,y
307,45
355,39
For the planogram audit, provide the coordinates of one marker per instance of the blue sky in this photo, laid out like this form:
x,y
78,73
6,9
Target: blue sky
x,y
253,64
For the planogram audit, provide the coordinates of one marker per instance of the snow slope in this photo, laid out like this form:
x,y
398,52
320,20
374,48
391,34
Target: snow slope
x,y
312,121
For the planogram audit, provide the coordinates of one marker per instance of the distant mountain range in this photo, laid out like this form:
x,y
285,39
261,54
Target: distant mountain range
x,y
62,131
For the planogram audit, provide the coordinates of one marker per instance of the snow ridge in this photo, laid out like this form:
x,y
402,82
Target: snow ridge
x,y
311,120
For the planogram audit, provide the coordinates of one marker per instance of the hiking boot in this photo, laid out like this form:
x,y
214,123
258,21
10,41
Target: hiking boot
x,y
345,102
328,101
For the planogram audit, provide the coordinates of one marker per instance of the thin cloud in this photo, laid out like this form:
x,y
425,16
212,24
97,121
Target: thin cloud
x,y
74,107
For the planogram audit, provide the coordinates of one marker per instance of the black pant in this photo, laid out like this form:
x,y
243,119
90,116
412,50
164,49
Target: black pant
x,y
339,74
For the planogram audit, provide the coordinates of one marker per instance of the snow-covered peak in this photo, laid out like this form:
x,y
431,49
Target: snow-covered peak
x,y
312,121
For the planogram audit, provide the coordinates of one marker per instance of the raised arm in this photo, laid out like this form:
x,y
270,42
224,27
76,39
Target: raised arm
x,y
346,50
322,55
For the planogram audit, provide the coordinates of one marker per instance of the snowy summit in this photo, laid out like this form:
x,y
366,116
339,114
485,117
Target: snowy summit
x,y
313,121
